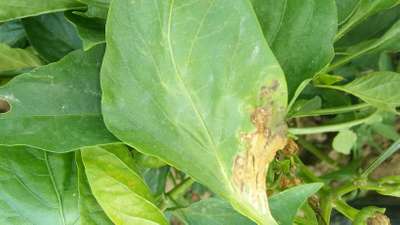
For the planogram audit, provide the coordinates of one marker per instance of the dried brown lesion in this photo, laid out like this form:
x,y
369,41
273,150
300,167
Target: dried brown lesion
x,y
250,167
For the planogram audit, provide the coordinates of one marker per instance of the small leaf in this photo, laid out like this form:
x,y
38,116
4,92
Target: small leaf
x,y
13,34
327,79
365,8
119,190
37,187
203,90
56,107
52,35
15,9
301,35
379,89
389,41
344,141
16,60
284,205
91,30
212,211
90,211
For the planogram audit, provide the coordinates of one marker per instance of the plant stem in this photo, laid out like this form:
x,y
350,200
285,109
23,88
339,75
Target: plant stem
x,y
385,155
345,209
316,152
330,128
181,188
332,111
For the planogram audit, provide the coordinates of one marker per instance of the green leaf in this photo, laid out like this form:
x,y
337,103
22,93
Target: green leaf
x,y
387,42
91,30
307,217
122,194
186,90
16,60
365,9
56,107
284,205
215,211
14,9
52,35
344,141
90,211
379,89
13,34
37,187
212,211
300,34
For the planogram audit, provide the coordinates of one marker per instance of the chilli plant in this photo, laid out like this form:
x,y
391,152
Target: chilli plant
x,y
198,112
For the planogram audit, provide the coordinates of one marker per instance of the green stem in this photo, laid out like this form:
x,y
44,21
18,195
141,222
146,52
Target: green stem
x,y
180,189
385,155
332,111
330,128
304,169
316,152
345,209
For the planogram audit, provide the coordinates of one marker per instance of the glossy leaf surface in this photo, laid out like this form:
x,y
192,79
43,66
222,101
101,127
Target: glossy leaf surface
x,y
52,35
204,85
300,34
56,107
14,9
37,187
122,194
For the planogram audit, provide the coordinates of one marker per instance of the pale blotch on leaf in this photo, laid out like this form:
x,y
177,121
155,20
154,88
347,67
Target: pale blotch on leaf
x,y
251,166
4,106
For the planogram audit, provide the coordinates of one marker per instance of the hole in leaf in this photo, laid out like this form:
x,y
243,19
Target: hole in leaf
x,y
4,106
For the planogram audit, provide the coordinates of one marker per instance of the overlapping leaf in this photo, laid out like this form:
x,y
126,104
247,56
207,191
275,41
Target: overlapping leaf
x,y
195,83
56,107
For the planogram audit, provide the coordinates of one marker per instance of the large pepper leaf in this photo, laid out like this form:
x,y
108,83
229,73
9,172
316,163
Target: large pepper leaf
x,y
52,35
119,190
301,35
37,187
14,9
195,83
55,107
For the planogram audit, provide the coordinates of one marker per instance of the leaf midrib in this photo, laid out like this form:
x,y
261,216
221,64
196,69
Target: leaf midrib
x,y
187,93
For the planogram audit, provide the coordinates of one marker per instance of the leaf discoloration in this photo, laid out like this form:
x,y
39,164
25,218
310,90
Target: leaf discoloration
x,y
250,167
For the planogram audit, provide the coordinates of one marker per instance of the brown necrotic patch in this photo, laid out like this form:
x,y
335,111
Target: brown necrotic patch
x,y
250,167
4,106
